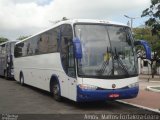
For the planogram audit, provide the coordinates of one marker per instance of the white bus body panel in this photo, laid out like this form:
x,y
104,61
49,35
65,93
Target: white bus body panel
x,y
37,71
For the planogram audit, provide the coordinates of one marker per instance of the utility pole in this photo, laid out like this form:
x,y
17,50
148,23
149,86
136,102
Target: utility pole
x,y
128,23
131,19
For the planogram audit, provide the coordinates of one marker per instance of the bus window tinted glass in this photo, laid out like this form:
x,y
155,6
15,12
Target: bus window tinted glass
x,y
40,44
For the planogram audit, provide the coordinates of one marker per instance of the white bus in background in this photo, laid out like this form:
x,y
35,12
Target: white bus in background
x,y
6,59
82,60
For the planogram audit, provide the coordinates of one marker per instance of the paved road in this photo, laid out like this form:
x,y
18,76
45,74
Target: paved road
x,y
18,99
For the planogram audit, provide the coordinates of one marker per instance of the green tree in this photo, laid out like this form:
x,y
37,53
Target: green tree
x,y
2,39
153,40
23,37
153,12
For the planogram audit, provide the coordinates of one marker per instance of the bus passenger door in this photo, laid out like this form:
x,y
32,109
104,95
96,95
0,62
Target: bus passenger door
x,y
68,62
72,83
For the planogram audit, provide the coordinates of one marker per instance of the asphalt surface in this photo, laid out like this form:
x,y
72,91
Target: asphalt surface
x,y
17,99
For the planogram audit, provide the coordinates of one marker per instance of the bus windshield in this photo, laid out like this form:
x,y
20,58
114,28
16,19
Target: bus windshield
x,y
108,51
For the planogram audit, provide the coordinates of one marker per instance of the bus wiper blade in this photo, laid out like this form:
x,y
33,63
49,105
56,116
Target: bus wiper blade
x,y
105,63
103,67
121,63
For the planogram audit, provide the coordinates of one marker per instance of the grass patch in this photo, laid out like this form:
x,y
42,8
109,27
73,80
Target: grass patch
x,y
157,88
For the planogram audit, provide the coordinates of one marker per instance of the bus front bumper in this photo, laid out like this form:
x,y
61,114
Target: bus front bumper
x,y
103,95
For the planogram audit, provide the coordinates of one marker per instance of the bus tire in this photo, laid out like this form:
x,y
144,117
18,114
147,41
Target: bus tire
x,y
21,79
55,90
5,74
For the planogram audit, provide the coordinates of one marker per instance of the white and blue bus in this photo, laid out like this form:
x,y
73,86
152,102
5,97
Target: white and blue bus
x,y
82,60
6,59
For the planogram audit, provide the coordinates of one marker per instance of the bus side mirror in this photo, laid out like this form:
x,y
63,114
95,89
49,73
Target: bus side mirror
x,y
146,47
77,48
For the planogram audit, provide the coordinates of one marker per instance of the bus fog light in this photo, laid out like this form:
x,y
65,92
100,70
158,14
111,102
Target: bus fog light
x,y
133,85
87,87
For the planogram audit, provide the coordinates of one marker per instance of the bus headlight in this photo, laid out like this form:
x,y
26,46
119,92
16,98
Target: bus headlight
x,y
87,87
133,85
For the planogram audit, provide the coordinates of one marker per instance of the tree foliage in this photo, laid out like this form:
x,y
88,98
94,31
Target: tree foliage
x,y
23,37
2,39
153,40
153,12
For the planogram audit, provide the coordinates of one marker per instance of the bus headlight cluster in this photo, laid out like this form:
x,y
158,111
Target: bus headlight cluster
x,y
87,87
133,85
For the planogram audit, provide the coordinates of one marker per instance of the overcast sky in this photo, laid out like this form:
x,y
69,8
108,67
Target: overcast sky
x,y
27,17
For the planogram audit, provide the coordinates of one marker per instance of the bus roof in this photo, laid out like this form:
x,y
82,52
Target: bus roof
x,y
9,41
96,21
74,21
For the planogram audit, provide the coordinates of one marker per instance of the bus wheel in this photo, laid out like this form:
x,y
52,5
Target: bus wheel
x,y
56,91
21,79
5,74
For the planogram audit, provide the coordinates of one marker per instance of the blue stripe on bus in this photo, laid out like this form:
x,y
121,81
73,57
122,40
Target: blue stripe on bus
x,y
103,95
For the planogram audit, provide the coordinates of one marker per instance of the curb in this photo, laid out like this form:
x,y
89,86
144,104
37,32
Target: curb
x,y
154,81
143,80
139,106
151,89
150,81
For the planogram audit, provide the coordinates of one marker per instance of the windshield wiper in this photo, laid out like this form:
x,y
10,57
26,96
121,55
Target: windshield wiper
x,y
121,63
105,63
112,71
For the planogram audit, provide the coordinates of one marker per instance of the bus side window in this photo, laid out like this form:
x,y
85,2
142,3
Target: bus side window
x,y
47,42
52,43
3,49
0,50
43,43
